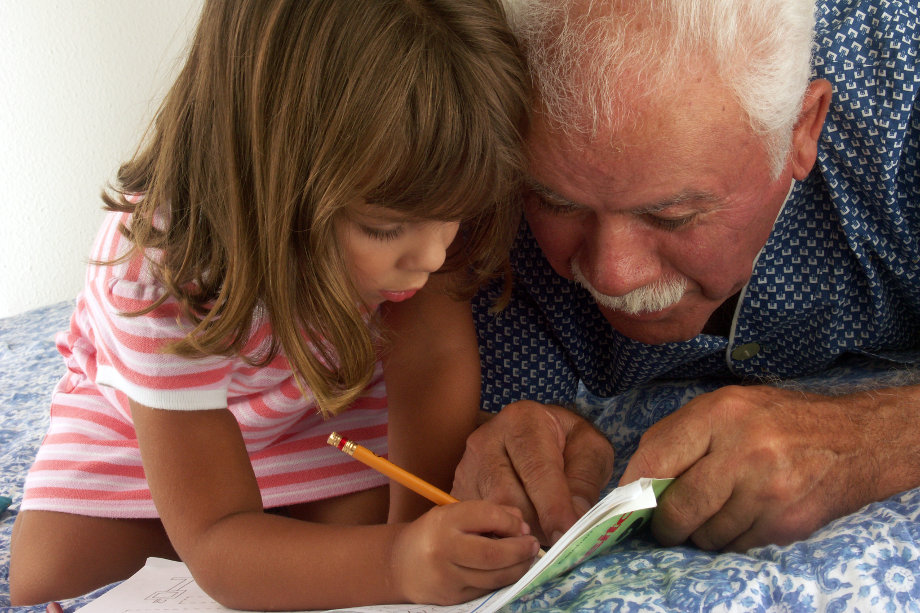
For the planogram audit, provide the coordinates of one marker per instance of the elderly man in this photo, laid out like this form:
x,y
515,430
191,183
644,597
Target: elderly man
x,y
678,226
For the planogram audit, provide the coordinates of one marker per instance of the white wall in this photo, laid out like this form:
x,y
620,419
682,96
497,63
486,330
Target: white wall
x,y
79,80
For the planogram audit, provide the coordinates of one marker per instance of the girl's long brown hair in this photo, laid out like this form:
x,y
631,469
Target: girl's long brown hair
x,y
284,114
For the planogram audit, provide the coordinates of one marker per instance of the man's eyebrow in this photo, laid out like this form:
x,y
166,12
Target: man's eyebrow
x,y
682,197
550,195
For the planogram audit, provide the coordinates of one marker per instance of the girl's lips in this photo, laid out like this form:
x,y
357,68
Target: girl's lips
x,y
398,296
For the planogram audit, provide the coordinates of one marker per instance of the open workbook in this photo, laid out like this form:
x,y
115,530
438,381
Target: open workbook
x,y
164,585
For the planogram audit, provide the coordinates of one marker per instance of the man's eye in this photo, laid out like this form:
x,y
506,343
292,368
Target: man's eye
x,y
667,223
381,234
554,208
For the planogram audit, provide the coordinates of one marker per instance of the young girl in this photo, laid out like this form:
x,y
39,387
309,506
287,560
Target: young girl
x,y
314,160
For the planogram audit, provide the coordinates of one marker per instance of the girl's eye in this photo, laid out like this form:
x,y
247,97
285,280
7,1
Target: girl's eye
x,y
381,234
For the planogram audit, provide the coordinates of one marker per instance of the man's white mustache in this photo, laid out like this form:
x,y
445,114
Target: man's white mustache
x,y
646,299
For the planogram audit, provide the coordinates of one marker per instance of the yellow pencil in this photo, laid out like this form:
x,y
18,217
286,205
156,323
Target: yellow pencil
x,y
394,472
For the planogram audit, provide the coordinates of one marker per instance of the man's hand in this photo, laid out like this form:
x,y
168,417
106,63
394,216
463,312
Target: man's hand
x,y
759,465
542,459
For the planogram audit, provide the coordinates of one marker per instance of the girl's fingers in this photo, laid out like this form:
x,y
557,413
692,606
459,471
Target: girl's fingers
x,y
489,537
507,555
481,517
491,580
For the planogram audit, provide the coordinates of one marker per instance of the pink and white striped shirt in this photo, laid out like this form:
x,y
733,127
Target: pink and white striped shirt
x,y
89,461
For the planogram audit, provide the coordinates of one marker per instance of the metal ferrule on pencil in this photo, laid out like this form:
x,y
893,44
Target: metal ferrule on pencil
x,y
343,444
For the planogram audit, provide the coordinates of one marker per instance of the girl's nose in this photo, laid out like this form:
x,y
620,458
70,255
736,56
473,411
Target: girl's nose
x,y
430,250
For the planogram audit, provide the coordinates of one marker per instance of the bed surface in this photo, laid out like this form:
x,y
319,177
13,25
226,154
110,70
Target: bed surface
x,y
868,561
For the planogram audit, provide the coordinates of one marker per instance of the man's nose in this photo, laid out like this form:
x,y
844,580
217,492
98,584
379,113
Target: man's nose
x,y
619,256
430,249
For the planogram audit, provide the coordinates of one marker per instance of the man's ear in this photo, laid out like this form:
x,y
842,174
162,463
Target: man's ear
x,y
808,127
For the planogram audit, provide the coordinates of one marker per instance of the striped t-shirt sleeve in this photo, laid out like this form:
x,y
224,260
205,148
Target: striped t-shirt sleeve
x,y
130,354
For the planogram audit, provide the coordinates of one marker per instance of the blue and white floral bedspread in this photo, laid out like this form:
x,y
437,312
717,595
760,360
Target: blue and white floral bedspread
x,y
868,561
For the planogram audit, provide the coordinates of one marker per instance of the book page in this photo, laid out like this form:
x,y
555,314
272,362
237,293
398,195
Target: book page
x,y
166,585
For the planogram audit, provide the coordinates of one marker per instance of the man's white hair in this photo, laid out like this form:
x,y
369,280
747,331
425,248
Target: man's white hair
x,y
593,60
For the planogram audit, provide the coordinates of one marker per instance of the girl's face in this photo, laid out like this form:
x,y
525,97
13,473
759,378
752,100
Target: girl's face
x,y
390,257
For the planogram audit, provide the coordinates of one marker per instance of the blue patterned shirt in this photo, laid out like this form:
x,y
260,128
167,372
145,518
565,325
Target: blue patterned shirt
x,y
839,275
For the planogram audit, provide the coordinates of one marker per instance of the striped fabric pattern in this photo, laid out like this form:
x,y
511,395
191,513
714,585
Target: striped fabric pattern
x,y
89,461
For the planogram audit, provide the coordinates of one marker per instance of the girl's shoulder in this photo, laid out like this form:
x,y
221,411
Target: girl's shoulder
x,y
122,279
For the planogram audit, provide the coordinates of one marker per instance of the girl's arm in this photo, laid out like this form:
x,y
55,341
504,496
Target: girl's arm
x,y
431,368
208,499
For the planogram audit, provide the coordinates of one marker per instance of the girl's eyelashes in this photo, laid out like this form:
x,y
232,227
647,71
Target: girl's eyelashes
x,y
381,234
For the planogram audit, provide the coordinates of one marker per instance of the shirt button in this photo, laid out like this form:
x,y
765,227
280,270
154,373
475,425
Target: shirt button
x,y
746,351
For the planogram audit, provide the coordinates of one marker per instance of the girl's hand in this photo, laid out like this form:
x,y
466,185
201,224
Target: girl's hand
x,y
460,551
